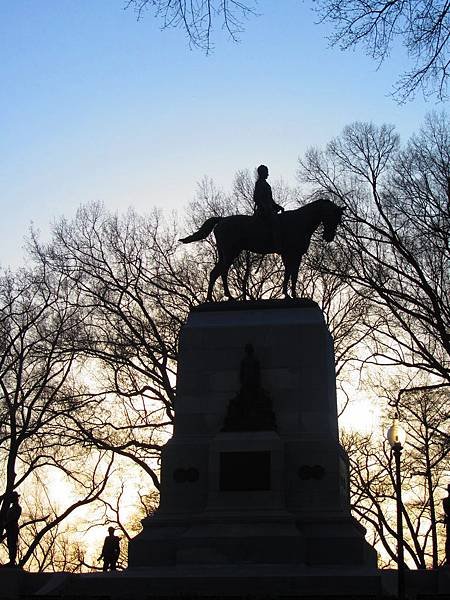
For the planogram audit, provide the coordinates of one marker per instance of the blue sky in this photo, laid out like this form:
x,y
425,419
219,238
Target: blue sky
x,y
97,106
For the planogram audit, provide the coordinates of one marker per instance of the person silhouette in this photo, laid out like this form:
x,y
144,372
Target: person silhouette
x,y
12,527
250,372
265,206
110,551
446,507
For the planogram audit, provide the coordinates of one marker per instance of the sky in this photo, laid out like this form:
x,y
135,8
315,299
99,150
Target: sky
x,y
97,106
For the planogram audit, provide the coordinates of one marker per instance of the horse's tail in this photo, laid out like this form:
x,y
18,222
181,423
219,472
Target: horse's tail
x,y
203,232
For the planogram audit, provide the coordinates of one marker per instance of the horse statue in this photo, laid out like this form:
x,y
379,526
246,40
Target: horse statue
x,y
291,240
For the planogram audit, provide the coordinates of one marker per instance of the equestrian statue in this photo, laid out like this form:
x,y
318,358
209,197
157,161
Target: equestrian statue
x,y
267,232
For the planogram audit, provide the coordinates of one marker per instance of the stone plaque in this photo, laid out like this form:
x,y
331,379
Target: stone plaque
x,y
244,471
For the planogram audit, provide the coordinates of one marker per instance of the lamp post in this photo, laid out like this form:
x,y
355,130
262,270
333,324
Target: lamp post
x,y
396,437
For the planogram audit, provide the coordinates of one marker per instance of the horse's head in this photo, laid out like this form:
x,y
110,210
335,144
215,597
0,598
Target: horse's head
x,y
331,219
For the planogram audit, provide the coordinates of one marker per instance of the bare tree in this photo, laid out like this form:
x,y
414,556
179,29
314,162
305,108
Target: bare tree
x,y
428,417
58,549
394,250
137,293
422,27
40,319
197,18
425,467
395,246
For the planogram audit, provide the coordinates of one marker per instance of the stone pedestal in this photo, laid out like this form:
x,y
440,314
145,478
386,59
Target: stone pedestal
x,y
278,496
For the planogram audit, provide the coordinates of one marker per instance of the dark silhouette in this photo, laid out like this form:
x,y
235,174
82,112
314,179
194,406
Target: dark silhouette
x,y
250,372
373,26
265,206
110,551
446,507
241,232
11,526
191,17
251,409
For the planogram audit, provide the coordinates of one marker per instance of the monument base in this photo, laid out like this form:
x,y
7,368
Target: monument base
x,y
262,582
254,473
245,520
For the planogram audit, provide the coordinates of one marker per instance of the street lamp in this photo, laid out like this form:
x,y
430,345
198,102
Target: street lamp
x,y
396,437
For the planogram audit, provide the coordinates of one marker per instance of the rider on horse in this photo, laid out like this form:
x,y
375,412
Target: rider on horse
x,y
265,206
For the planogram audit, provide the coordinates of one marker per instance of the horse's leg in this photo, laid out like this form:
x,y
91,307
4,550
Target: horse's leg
x,y
215,272
295,266
227,262
226,289
287,273
246,275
